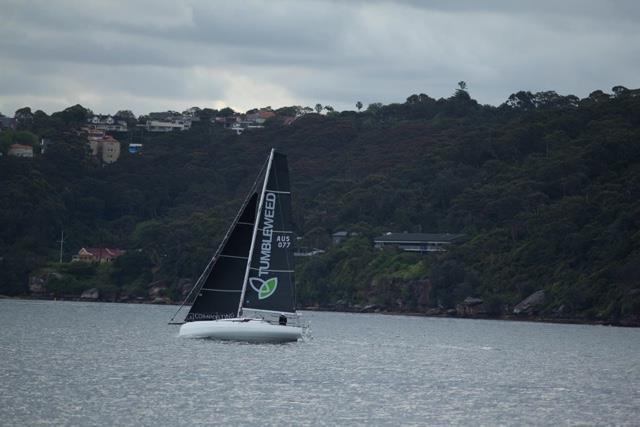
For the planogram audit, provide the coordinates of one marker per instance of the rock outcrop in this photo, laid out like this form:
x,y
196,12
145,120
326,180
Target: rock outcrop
x,y
471,307
530,304
156,291
90,294
38,281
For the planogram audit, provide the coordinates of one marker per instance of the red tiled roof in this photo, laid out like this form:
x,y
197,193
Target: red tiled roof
x,y
104,252
266,114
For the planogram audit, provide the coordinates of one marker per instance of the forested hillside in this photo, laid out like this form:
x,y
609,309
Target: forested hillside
x,y
545,187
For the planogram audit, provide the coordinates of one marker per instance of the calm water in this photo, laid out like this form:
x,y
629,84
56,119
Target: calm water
x,y
70,363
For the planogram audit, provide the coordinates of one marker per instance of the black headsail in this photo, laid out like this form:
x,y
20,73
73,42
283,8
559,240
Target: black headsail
x,y
269,281
221,283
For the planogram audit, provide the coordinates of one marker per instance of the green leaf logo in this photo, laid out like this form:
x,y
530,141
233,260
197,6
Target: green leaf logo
x,y
267,288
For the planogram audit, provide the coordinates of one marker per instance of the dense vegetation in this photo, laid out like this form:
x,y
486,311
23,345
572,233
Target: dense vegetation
x,y
545,187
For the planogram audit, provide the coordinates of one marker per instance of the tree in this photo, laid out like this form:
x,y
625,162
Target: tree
x,y
598,96
125,115
619,90
461,92
318,108
359,105
208,113
24,118
329,108
40,120
23,113
419,99
413,99
74,115
288,111
521,101
374,107
226,112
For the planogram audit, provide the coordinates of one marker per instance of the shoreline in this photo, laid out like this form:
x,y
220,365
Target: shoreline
x,y
628,323
505,318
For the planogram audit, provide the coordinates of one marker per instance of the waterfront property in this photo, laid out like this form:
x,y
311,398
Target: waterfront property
x,y
100,255
418,242
20,150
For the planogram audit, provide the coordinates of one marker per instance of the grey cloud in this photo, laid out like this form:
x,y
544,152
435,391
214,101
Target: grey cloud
x,y
305,52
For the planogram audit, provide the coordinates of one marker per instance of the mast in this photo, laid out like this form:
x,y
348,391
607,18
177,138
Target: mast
x,y
255,231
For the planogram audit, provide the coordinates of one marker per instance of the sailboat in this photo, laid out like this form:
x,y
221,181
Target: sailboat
x,y
247,291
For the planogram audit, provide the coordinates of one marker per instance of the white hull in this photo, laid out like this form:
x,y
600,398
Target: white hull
x,y
240,329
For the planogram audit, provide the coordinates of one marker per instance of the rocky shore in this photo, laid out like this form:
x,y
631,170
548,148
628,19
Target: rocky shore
x,y
634,323
529,309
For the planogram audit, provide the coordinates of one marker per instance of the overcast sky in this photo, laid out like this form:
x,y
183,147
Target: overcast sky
x,y
155,55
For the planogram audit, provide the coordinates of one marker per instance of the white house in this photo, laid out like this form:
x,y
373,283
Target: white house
x,y
167,126
107,123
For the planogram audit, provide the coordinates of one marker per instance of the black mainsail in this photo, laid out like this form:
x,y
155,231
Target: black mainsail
x,y
269,280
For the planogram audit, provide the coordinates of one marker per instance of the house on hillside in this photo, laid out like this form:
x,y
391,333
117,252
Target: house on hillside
x,y
418,242
20,150
226,122
259,117
106,123
110,150
7,123
192,113
340,236
100,255
103,147
167,126
242,122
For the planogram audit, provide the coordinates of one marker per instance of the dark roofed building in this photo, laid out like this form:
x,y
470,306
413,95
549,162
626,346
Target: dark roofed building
x,y
418,242
7,123
340,236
